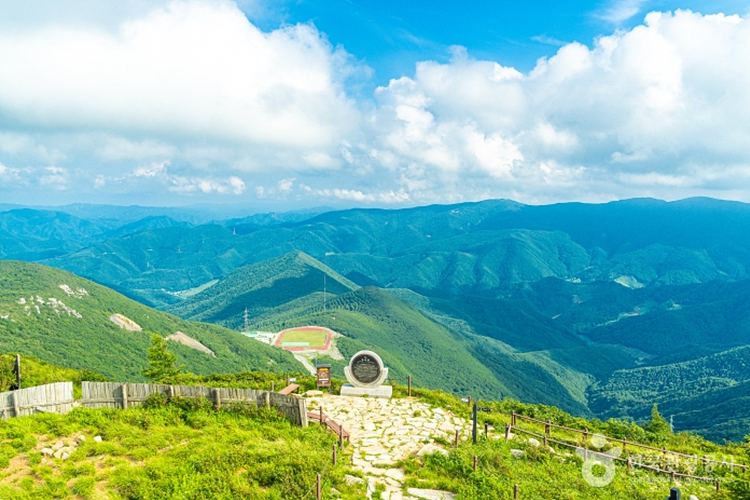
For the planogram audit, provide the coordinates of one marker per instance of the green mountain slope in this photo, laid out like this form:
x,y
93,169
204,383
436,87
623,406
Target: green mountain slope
x,y
65,320
260,287
706,395
411,343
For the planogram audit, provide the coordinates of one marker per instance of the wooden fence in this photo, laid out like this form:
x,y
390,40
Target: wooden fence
x,y
58,398
117,395
624,442
50,398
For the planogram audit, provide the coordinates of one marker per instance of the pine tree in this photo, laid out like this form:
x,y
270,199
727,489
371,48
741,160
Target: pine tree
x,y
658,424
161,362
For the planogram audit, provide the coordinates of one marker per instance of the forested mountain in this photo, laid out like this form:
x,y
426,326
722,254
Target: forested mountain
x,y
575,291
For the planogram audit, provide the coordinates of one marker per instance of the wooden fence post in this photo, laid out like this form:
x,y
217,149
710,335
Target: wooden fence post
x,y
321,415
409,382
512,418
16,407
273,386
341,434
334,454
515,492
217,398
171,391
124,388
546,427
718,485
507,432
319,493
268,400
545,441
469,399
456,445
628,465
671,474
17,370
475,463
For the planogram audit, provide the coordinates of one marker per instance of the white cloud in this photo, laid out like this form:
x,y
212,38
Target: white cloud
x,y
54,177
189,97
621,10
285,185
237,185
152,170
189,69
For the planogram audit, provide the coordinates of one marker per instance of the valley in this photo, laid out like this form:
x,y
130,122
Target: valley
x,y
591,308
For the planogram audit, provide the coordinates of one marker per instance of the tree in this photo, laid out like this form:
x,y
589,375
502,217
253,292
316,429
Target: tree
x,y
658,424
161,362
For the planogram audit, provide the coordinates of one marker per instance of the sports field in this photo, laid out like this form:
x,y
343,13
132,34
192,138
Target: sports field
x,y
304,338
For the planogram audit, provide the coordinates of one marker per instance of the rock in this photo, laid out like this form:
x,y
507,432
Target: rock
x,y
693,497
98,439
516,453
58,445
313,394
431,494
353,479
396,474
429,449
534,442
81,438
65,455
47,452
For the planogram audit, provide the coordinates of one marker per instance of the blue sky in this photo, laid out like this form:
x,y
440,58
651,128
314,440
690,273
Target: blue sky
x,y
287,104
392,36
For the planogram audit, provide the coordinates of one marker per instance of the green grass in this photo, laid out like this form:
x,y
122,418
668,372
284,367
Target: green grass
x,y
181,450
315,337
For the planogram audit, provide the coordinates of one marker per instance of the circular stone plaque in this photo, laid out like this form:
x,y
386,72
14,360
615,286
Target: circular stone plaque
x,y
366,370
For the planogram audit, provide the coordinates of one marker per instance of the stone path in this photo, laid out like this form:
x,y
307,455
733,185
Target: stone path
x,y
383,431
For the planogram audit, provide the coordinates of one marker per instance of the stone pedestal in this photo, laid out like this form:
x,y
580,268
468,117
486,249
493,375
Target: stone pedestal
x,y
383,391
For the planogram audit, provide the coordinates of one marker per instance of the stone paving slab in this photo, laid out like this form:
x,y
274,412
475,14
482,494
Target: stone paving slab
x,y
384,431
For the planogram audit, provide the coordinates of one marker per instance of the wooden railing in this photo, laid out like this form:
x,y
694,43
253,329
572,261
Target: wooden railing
x,y
624,442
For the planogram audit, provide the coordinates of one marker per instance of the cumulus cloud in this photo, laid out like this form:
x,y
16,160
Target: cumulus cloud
x,y
189,97
655,102
194,69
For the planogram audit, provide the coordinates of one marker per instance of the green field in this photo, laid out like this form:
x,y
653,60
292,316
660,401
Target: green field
x,y
314,337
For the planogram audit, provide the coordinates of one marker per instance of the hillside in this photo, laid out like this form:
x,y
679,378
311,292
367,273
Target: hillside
x,y
65,320
702,395
411,343
260,287
581,289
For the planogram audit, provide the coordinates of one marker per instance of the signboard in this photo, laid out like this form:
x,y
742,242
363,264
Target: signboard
x,y
324,376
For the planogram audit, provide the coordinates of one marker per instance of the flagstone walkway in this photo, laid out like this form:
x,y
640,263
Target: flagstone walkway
x,y
383,431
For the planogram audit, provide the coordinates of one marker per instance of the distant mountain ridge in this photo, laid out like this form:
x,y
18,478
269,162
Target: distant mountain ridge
x,y
579,291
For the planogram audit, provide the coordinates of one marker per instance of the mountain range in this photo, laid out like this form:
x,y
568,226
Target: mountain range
x,y
582,306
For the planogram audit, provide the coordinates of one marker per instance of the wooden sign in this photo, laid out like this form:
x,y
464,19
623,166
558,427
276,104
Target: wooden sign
x,y
324,376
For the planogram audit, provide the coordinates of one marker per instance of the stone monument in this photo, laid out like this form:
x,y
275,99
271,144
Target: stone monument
x,y
366,375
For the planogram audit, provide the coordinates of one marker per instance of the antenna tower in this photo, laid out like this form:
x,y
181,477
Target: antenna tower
x,y
246,320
